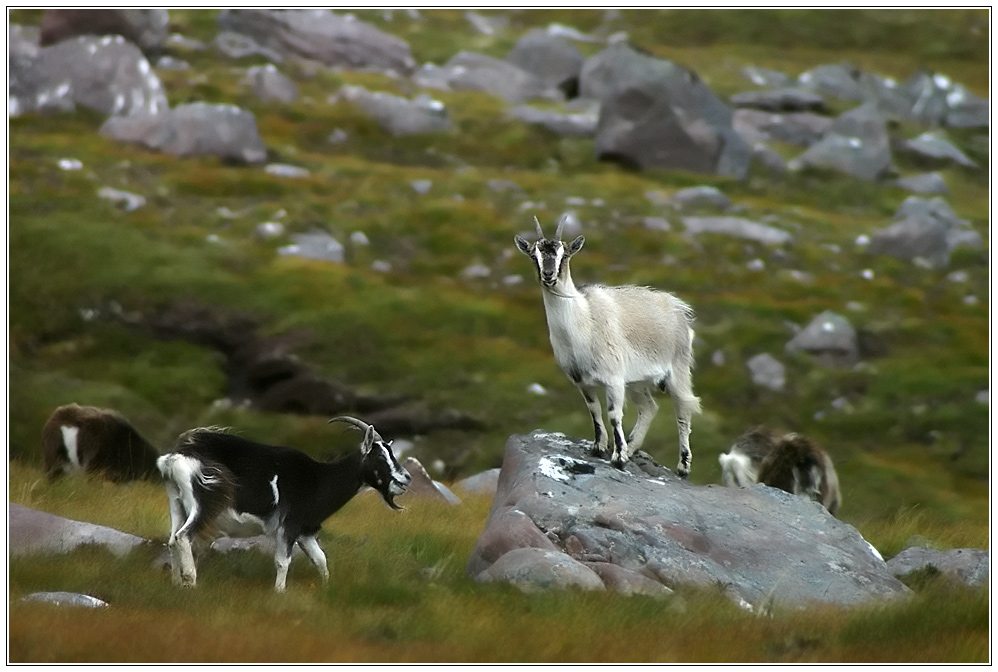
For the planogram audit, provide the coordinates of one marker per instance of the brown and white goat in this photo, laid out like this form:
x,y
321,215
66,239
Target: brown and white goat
x,y
792,463
96,440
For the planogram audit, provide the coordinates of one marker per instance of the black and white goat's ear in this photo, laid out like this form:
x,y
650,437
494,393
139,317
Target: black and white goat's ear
x,y
365,447
575,245
522,244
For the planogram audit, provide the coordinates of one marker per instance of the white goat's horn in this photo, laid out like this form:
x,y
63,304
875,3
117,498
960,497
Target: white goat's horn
x,y
359,424
537,225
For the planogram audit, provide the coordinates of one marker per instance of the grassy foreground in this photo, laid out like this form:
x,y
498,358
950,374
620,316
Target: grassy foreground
x,y
909,438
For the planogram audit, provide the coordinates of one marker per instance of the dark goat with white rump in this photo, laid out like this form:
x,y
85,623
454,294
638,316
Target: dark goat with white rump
x,y
624,339
219,483
792,463
98,441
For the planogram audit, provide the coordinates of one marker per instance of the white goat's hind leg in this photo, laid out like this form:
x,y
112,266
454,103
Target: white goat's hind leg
x,y
680,388
315,554
596,411
640,394
282,561
181,555
615,412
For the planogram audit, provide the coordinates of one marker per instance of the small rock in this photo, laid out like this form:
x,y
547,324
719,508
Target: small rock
x,y
285,170
128,201
65,599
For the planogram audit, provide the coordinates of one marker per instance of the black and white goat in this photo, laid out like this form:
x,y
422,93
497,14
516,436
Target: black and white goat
x,y
219,483
792,463
98,441
627,340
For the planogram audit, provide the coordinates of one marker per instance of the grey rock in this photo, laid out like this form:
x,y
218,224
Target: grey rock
x,y
925,183
834,81
66,599
967,110
737,227
487,25
830,338
780,100
924,229
424,486
194,129
559,512
857,144
396,115
314,245
656,114
771,79
554,61
431,76
796,128
269,230
22,41
286,170
236,45
573,124
127,200
704,196
31,531
321,35
471,71
768,372
969,566
269,84
935,148
421,187
484,483
106,74
146,28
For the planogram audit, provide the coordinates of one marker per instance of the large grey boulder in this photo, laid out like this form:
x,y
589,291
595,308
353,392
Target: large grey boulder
x,y
145,27
926,230
194,129
561,518
32,531
107,74
830,338
657,114
552,59
737,227
856,144
470,71
321,35
969,566
396,115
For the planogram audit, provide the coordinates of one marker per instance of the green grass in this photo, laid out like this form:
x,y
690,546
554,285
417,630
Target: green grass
x,y
910,441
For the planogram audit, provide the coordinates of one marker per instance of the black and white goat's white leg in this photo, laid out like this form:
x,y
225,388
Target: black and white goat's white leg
x,y
311,547
640,395
181,553
615,412
282,560
589,393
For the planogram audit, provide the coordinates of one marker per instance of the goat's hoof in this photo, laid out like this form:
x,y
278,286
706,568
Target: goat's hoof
x,y
683,472
618,462
597,451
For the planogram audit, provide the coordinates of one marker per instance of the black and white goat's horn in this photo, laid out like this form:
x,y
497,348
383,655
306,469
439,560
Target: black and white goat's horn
x,y
537,226
359,424
561,225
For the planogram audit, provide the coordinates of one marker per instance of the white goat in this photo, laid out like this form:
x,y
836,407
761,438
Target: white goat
x,y
95,440
221,483
792,463
627,340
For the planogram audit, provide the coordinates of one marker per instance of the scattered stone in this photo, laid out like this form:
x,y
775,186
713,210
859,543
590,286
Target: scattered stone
x,y
487,25
476,271
269,84
421,187
359,238
768,372
235,45
926,183
693,198
932,147
656,224
830,338
780,100
70,164
550,58
269,230
581,124
924,231
396,115
969,566
66,599
171,63
193,129
536,388
424,486
128,201
285,170
771,79
833,81
477,72
31,531
796,128
857,144
737,228
314,245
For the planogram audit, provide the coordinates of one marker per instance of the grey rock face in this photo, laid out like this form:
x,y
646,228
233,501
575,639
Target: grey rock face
x,y
559,512
737,227
966,565
934,148
323,36
195,129
106,74
146,28
550,58
830,338
471,71
314,245
857,144
31,531
924,229
270,84
578,121
423,485
399,116
656,114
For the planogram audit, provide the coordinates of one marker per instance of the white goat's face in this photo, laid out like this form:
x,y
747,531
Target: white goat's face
x,y
549,257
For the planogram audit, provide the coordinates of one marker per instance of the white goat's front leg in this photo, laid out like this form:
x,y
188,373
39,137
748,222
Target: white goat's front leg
x,y
282,561
615,412
596,411
311,547
640,394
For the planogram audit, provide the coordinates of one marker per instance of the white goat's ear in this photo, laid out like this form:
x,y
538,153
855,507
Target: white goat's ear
x,y
365,448
575,245
522,244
